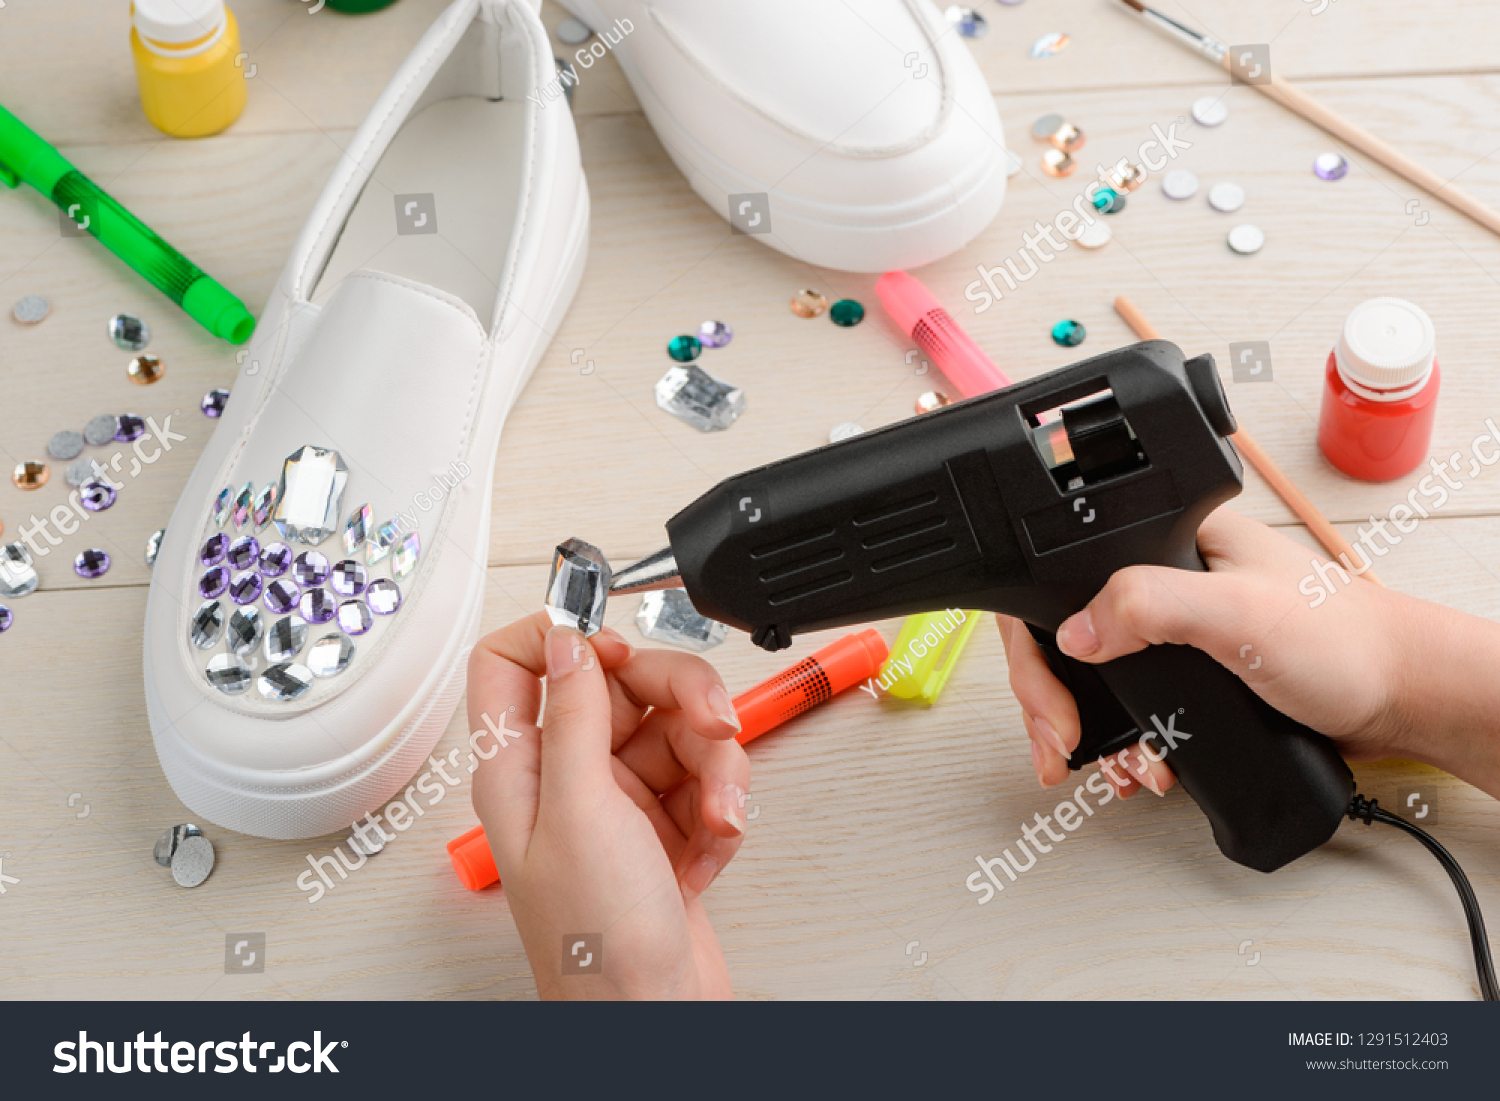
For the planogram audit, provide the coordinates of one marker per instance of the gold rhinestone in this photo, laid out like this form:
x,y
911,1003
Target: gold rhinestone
x,y
1057,163
1127,177
808,303
933,399
1067,137
30,475
145,370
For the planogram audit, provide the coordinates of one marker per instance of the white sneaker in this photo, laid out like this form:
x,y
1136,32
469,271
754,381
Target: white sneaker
x,y
417,301
857,136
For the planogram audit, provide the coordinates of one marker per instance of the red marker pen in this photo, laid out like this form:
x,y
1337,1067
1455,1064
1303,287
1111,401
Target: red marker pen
x,y
912,307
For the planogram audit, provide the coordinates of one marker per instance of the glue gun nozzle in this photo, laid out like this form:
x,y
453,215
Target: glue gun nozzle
x,y
655,571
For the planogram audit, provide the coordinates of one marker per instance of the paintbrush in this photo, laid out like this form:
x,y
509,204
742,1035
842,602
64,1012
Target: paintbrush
x,y
1293,99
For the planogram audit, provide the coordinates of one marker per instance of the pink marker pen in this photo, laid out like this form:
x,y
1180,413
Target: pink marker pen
x,y
912,307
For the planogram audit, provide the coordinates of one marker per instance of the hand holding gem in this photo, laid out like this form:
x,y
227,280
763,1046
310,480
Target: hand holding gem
x,y
617,812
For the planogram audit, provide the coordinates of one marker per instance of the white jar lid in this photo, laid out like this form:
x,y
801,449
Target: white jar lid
x,y
174,22
1387,345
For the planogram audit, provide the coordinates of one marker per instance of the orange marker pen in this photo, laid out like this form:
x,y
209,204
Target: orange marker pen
x,y
837,667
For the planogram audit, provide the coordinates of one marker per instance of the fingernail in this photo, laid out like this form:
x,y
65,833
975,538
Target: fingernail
x,y
732,801
610,632
722,706
699,875
1148,781
1053,738
565,652
1036,761
1076,636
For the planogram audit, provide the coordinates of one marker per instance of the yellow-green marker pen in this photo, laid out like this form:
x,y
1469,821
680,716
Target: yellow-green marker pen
x,y
24,157
925,652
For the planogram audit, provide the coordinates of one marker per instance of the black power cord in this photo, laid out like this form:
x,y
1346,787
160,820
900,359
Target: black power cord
x,y
1369,810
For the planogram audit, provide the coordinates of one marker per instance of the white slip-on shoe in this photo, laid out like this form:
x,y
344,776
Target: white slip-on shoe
x,y
320,583
855,136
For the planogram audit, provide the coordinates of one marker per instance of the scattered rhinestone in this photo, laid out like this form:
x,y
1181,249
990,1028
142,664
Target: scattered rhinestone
x,y
31,309
101,430
153,547
213,403
1069,333
6,619
129,333
30,475
1246,239
96,496
932,399
1226,197
1210,110
91,564
714,334
129,428
695,397
808,303
1050,44
1330,166
968,22
846,312
143,370
684,349
66,445
17,576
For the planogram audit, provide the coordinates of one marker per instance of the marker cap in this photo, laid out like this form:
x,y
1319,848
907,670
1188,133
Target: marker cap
x,y
473,860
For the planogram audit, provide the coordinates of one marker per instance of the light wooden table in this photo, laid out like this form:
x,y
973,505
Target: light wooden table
x,y
864,824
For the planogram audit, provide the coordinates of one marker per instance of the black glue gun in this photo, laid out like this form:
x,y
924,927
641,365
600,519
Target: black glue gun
x,y
1025,501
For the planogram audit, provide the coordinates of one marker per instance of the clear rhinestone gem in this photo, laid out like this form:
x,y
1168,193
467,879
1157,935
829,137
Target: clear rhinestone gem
x,y
229,673
221,507
312,493
310,568
316,606
357,528
383,596
330,655
167,844
101,430
243,552
92,563
349,578
365,840
578,587
213,583
130,333
17,578
153,546
354,617
207,624
245,588
285,683
96,496
245,631
265,504
244,504
968,22
669,616
404,560
381,540
65,445
275,559
692,395
285,639
281,596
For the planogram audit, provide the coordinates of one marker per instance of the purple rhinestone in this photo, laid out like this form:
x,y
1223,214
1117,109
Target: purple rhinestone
x,y
131,428
245,587
349,578
96,496
714,334
310,568
281,596
275,559
213,403
354,617
316,606
383,596
6,619
213,550
243,552
213,583
91,563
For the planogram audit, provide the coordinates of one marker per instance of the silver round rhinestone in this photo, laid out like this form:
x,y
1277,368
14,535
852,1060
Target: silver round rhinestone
x,y
1226,197
166,844
65,445
207,624
285,683
245,631
192,861
383,596
101,430
229,674
153,546
285,639
129,333
330,655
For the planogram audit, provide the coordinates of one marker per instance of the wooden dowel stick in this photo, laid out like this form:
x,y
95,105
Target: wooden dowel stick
x,y
1334,543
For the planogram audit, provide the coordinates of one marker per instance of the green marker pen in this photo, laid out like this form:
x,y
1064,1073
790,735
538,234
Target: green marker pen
x,y
26,157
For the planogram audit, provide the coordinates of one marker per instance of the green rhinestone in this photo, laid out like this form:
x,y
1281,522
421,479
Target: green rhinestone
x,y
1104,197
1069,334
846,312
684,349
1115,206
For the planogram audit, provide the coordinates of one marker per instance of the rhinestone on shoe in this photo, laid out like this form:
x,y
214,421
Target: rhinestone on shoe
x,y
310,568
214,548
281,596
221,507
245,588
229,674
213,583
275,559
349,578
330,655
17,577
206,625
380,542
285,639
312,493
245,631
285,683
244,504
316,606
404,560
354,617
383,596
358,527
265,504
243,552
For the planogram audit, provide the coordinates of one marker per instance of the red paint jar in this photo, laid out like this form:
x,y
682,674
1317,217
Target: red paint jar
x,y
1380,391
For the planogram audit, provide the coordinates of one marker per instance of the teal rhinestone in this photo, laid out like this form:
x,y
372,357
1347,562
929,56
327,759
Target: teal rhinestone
x,y
1104,198
684,349
846,312
1117,205
1069,334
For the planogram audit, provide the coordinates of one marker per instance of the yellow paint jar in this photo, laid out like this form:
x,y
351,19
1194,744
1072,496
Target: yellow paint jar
x,y
185,63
